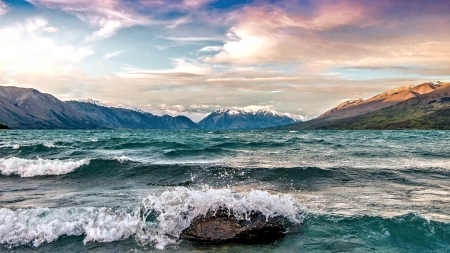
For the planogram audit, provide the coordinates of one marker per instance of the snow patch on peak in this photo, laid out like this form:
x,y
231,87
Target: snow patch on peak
x,y
91,101
130,108
436,83
257,110
253,109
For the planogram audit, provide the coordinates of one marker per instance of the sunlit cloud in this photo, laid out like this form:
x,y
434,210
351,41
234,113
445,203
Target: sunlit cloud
x,y
334,33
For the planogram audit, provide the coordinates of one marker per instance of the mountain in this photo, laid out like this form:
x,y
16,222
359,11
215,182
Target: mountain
x,y
251,117
120,117
360,106
25,108
424,111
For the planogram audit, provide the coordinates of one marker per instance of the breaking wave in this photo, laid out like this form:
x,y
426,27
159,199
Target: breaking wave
x,y
39,167
158,221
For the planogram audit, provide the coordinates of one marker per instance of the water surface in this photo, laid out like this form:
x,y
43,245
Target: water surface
x,y
135,190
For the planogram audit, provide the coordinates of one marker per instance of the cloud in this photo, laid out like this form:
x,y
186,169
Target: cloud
x,y
183,69
110,16
210,49
335,33
113,54
196,3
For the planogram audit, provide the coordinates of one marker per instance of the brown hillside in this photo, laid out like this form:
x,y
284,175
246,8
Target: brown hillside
x,y
359,106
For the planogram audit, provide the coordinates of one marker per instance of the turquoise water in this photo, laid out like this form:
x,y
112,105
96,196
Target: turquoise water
x,y
134,191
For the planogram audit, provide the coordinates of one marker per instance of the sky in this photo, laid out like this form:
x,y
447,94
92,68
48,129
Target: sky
x,y
191,57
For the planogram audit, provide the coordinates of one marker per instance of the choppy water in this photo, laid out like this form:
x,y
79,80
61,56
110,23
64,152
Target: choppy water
x,y
134,191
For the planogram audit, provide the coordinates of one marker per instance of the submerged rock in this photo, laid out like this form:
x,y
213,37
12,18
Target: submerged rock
x,y
222,226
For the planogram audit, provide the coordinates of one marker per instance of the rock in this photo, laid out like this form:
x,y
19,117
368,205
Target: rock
x,y
222,226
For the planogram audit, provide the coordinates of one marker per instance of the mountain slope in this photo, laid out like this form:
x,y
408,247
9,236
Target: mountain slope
x,y
252,117
427,111
25,108
114,117
359,106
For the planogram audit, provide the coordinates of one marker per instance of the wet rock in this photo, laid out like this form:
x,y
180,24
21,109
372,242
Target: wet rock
x,y
222,226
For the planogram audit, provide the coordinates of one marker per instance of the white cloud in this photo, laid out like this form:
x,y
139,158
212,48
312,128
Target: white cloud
x,y
183,69
24,50
211,49
108,28
113,54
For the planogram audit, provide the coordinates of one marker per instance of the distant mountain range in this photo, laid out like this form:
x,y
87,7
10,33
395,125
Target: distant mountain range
x,y
116,117
424,106
251,117
25,108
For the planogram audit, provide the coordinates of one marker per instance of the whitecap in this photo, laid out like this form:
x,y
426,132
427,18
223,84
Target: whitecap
x,y
122,159
39,167
44,225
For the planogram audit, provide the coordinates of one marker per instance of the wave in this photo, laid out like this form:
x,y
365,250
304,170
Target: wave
x,y
157,221
39,167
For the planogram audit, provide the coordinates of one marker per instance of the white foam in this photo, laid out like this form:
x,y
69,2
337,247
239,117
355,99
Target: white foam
x,y
39,167
174,211
122,159
16,146
44,225
50,145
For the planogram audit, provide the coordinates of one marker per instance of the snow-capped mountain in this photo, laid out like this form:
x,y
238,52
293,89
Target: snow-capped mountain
x,y
250,117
